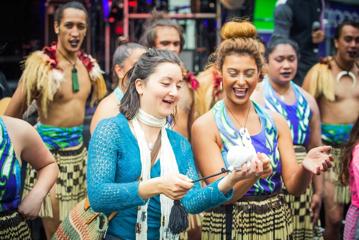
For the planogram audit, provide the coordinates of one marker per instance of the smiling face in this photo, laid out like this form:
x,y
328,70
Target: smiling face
x,y
347,44
240,76
71,30
159,93
282,63
168,38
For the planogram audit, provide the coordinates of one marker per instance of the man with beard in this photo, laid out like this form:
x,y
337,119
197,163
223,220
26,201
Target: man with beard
x,y
334,84
58,80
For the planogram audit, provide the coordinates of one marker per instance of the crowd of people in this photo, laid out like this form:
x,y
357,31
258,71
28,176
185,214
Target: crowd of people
x,y
249,153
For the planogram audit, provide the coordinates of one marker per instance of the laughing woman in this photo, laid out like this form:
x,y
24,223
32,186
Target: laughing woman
x,y
257,209
126,172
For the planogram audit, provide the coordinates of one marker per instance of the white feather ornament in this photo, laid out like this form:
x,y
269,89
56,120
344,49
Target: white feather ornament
x,y
239,155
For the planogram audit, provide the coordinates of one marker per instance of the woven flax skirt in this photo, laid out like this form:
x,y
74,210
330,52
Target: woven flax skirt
x,y
70,184
251,218
13,226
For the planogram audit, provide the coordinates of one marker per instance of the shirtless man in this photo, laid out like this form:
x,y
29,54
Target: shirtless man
x,y
334,84
60,78
166,34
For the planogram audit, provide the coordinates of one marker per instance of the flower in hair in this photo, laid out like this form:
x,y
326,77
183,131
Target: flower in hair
x,y
192,80
217,80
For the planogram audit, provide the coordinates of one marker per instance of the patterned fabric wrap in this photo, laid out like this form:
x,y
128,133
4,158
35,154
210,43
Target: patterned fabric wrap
x,y
82,223
194,224
59,137
70,184
297,115
303,228
13,226
268,219
336,134
10,173
351,228
118,94
265,142
342,193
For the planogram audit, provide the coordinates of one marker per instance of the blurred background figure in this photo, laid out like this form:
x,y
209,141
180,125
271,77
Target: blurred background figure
x,y
125,56
334,84
302,22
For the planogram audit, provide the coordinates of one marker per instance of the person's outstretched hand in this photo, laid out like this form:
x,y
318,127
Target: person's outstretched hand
x,y
318,160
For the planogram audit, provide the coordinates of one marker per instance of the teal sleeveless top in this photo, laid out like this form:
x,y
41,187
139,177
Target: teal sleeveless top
x,y
10,173
265,142
298,115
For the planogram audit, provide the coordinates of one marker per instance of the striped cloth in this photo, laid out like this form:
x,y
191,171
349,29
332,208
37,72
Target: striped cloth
x,y
13,226
71,181
60,137
351,229
249,219
303,227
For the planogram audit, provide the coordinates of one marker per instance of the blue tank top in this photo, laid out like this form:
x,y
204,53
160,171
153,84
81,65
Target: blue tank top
x,y
265,142
10,173
298,115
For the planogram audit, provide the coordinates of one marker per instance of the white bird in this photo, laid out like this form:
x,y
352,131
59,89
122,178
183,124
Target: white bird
x,y
238,155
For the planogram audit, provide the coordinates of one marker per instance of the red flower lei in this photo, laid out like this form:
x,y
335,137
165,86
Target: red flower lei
x,y
50,51
191,78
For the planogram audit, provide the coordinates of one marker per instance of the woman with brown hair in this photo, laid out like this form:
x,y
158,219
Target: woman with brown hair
x,y
128,175
235,126
210,88
164,33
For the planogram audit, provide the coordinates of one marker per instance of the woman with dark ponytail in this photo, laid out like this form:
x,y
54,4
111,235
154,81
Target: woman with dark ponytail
x,y
350,175
140,168
277,92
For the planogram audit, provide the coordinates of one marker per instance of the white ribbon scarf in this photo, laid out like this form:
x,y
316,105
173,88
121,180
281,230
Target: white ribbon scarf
x,y
168,167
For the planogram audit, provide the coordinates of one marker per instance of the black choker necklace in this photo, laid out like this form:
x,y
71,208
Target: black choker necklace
x,y
74,77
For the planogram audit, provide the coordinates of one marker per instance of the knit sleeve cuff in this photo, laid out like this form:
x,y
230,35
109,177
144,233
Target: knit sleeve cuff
x,y
218,194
